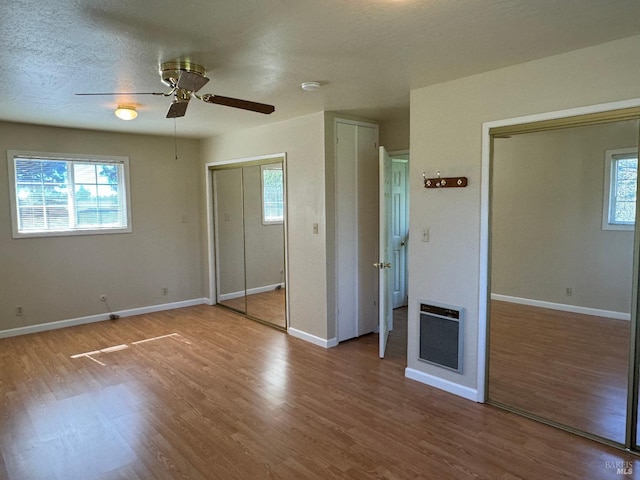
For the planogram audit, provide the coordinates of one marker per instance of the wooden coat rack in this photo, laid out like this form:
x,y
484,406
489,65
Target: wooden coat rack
x,y
444,182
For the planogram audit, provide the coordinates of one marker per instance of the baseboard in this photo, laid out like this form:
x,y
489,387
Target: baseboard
x,y
250,291
442,384
42,327
562,307
307,337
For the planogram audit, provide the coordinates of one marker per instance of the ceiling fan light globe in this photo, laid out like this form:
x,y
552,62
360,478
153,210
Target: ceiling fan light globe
x,y
310,86
126,113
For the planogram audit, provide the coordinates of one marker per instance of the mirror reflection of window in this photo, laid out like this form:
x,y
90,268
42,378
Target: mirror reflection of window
x,y
272,182
620,185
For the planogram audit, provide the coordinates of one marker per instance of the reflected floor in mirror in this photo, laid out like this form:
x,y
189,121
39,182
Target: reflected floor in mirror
x,y
267,306
205,393
565,367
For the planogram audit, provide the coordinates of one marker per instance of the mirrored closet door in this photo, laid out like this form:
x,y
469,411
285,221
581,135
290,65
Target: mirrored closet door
x,y
249,230
563,214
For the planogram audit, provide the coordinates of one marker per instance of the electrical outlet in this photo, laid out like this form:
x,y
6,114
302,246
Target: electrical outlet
x,y
103,298
568,292
165,291
425,235
19,310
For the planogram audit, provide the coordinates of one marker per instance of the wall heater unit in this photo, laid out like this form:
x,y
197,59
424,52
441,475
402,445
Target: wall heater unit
x,y
441,335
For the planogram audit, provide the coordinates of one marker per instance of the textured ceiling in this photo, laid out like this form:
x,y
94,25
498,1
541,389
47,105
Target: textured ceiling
x,y
367,54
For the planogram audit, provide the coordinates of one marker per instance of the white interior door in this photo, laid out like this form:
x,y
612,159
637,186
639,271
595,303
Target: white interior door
x,y
346,230
399,230
384,257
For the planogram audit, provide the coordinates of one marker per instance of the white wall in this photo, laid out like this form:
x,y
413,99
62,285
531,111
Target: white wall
x,y
446,135
60,278
303,141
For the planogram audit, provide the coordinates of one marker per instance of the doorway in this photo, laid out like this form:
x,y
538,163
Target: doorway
x,y
400,226
562,273
393,239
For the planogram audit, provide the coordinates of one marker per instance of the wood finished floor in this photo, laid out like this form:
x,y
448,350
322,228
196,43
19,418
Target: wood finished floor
x,y
217,396
565,367
268,306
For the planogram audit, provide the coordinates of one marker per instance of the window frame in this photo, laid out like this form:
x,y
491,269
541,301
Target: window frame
x,y
271,166
609,165
123,181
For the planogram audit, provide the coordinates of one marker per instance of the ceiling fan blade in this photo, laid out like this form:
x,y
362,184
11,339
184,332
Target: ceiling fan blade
x,y
177,109
191,81
237,103
125,93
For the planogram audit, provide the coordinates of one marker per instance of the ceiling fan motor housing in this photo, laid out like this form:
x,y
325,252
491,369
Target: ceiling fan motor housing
x,y
170,71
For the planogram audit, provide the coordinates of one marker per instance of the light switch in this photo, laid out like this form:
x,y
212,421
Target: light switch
x,y
315,228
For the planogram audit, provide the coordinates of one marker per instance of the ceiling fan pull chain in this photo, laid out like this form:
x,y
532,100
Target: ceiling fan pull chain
x,y
175,138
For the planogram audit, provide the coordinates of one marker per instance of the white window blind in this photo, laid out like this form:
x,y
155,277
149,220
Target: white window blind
x,y
55,194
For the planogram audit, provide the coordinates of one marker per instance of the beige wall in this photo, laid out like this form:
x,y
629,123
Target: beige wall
x,y
446,135
302,139
394,133
546,225
60,278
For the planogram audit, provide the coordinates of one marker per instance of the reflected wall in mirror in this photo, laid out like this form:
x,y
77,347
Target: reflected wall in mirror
x,y
229,228
561,282
264,242
255,250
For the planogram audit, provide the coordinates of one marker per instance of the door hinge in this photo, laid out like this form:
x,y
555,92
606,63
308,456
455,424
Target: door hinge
x,y
382,265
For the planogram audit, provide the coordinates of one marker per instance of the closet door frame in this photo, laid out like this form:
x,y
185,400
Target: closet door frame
x,y
211,244
627,109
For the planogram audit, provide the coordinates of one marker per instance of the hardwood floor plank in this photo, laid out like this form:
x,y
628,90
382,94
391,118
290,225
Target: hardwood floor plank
x,y
203,393
562,366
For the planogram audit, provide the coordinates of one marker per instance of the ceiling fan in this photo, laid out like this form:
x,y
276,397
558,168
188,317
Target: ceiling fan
x,y
185,79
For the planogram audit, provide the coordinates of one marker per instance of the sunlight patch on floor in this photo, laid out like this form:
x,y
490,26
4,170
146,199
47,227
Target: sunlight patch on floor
x,y
124,346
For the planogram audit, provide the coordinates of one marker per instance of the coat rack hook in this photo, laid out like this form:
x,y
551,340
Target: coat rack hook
x,y
426,181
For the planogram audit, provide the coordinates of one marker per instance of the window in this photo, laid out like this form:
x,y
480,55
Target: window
x,y
620,186
272,193
55,194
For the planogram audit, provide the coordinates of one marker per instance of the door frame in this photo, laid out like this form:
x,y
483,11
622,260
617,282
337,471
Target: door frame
x,y
211,250
554,119
334,232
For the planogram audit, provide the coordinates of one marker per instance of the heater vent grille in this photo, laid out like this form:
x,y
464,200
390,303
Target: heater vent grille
x,y
441,335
